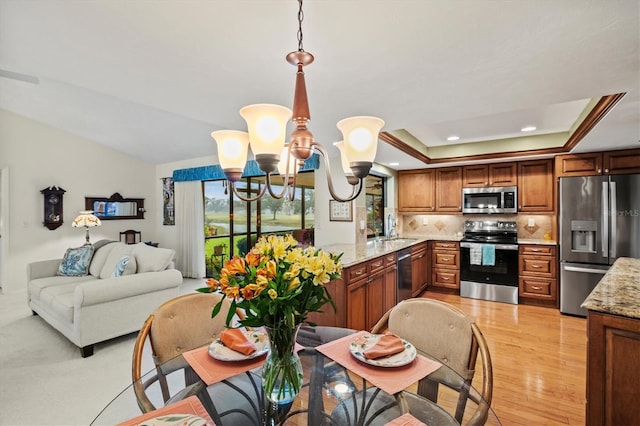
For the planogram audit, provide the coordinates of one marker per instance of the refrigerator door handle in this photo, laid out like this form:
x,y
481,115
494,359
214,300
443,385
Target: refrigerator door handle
x,y
586,270
605,219
614,216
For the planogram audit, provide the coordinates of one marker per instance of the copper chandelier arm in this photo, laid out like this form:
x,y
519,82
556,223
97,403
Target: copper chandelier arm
x,y
245,199
356,188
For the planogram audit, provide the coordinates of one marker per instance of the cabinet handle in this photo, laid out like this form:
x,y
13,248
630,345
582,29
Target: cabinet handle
x,y
446,278
445,259
536,287
599,170
536,266
359,272
487,183
536,250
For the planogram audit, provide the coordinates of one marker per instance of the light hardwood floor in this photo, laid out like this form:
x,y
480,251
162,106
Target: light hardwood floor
x,y
539,360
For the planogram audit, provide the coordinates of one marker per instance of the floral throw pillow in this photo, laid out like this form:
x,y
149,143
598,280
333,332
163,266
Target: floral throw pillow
x,y
75,262
125,266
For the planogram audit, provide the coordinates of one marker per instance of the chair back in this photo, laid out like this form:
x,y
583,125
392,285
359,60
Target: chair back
x,y
438,329
185,323
178,325
452,337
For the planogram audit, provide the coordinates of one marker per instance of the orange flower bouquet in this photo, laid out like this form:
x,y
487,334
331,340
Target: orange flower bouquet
x,y
277,284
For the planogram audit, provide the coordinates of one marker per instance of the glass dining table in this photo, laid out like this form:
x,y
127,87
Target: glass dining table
x,y
334,392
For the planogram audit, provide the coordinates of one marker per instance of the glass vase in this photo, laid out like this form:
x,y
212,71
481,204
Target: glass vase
x,y
282,371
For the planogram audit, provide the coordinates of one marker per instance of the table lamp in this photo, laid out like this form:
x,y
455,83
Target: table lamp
x,y
87,219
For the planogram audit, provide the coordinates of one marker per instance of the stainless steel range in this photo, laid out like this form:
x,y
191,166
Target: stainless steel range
x,y
489,261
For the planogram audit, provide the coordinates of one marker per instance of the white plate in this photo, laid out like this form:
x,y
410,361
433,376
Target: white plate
x,y
222,353
362,343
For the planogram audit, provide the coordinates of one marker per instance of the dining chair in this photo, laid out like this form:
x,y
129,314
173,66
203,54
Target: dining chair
x,y
130,236
453,338
179,325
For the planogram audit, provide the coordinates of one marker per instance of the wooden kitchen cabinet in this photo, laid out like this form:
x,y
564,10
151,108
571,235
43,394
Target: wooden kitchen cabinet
x,y
449,189
368,293
416,191
445,265
537,274
598,163
613,370
484,175
536,189
419,268
328,316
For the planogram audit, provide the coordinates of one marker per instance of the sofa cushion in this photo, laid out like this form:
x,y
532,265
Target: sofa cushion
x,y
125,266
59,300
37,286
76,261
152,259
116,253
101,252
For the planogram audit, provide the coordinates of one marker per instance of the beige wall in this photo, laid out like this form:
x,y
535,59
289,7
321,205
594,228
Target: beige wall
x,y
37,156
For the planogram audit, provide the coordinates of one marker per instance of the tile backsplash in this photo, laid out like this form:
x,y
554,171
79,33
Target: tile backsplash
x,y
529,226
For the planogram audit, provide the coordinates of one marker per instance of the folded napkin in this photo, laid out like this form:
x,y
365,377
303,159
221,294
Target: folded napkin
x,y
387,344
405,420
235,339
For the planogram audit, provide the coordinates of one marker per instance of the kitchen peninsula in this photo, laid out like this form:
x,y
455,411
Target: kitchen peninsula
x,y
368,286
613,350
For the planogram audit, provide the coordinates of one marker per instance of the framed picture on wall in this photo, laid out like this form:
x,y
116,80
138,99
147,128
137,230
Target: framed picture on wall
x,y
340,211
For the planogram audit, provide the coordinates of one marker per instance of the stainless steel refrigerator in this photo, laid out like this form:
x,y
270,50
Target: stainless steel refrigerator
x,y
599,222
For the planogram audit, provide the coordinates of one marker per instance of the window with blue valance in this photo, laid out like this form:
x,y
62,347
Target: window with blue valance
x,y
215,172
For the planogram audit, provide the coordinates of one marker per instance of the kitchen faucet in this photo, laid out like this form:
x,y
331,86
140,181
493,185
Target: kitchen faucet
x,y
391,227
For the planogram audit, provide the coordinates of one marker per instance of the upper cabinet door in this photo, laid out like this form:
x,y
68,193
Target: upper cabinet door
x,y
536,191
622,162
416,190
449,189
483,175
589,164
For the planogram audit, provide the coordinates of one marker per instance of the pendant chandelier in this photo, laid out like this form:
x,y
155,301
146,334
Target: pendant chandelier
x,y
266,124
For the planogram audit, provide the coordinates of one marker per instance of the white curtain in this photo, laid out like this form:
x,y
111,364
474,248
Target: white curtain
x,y
190,226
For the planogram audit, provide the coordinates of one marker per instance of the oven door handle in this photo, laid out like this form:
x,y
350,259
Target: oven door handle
x,y
497,246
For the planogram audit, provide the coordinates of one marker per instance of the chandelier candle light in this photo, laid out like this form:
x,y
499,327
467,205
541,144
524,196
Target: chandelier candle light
x,y
86,219
266,125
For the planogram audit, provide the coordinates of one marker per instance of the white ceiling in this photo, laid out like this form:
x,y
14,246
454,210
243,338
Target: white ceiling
x,y
154,79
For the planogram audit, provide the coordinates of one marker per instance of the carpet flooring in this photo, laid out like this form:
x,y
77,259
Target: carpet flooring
x,y
43,378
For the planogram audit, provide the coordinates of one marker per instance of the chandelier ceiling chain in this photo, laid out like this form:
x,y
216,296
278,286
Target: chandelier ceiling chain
x,y
266,136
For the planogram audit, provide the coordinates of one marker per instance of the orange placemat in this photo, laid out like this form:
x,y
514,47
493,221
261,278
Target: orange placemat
x,y
211,370
390,379
191,405
405,420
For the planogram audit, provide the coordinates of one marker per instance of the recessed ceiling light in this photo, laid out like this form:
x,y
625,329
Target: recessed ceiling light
x,y
453,138
528,129
394,164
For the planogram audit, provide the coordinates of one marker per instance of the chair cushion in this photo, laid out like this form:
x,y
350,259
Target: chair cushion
x,y
125,266
117,252
76,261
152,259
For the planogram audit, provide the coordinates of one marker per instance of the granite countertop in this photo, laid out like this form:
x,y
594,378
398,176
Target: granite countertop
x,y
354,254
618,292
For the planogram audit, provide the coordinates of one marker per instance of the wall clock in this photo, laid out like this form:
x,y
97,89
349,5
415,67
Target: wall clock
x,y
53,218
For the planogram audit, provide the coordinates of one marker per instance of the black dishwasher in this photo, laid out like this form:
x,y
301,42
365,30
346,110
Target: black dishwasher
x,y
403,291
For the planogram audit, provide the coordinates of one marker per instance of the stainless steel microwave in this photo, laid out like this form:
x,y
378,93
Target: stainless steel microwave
x,y
499,199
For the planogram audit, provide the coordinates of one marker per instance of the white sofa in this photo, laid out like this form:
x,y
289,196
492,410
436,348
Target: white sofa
x,y
100,306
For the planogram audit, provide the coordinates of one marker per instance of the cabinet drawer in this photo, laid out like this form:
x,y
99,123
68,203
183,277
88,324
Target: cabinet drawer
x,y
446,245
538,287
538,250
389,259
376,265
445,259
357,272
538,265
445,278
